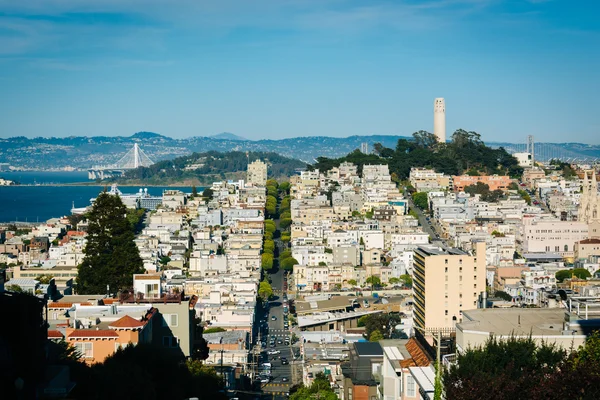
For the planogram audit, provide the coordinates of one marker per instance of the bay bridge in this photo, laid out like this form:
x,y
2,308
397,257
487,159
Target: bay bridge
x,y
134,158
544,152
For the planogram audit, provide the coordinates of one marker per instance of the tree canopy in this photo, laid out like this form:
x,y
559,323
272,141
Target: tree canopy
x,y
580,273
265,291
420,200
464,152
319,389
111,255
519,368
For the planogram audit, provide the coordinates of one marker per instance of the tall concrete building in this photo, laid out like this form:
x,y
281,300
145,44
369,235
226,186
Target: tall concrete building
x,y
439,119
257,173
446,282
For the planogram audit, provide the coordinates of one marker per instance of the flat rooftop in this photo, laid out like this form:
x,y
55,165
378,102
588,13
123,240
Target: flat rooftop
x,y
517,321
432,250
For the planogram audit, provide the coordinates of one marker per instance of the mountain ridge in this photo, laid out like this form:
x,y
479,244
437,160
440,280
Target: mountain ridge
x,y
84,152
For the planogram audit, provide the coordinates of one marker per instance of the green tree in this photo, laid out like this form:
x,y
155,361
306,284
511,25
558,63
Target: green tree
x,y
214,330
511,369
425,140
394,281
580,273
376,336
208,194
194,191
285,254
270,226
111,255
269,246
497,234
286,237
384,323
373,281
420,200
272,182
285,204
14,288
406,280
265,291
44,279
288,263
285,223
266,261
319,389
284,187
164,260
352,282
503,295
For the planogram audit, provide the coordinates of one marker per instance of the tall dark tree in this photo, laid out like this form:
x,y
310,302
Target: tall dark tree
x,y
424,139
111,256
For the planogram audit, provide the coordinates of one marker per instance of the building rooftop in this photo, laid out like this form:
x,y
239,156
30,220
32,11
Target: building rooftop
x,y
93,333
517,321
368,349
126,322
321,318
432,250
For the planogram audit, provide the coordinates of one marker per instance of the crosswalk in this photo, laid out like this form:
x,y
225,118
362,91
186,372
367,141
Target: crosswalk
x,y
276,385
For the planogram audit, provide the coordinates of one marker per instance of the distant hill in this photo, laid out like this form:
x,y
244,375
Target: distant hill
x,y
85,152
205,168
228,136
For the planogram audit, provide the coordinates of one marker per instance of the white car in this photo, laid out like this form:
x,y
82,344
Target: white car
x,y
273,352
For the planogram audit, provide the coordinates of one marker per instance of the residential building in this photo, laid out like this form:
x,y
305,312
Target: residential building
x,y
257,173
362,373
495,182
446,282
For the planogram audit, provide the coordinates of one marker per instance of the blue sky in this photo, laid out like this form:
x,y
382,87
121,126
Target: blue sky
x,y
284,68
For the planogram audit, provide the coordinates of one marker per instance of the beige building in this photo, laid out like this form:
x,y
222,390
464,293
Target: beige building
x,y
446,282
257,173
531,175
586,248
425,180
552,236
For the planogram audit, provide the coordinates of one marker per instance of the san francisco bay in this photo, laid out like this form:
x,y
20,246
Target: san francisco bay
x,y
55,195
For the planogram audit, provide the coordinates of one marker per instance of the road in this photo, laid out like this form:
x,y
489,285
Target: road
x,y
276,330
427,226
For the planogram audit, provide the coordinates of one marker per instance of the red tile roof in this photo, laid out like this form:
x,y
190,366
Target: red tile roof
x,y
53,334
126,322
419,356
92,333
60,305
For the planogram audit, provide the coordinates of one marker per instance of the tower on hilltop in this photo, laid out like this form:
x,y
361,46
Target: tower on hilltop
x,y
439,119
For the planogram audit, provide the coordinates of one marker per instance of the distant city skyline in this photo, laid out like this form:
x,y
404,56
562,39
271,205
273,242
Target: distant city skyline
x,y
271,69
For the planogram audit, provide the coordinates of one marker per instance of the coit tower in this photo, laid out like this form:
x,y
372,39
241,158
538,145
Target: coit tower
x,y
439,119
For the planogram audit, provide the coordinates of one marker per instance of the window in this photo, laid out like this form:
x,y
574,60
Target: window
x,y
446,312
170,341
446,269
566,247
410,386
446,261
170,320
460,278
86,349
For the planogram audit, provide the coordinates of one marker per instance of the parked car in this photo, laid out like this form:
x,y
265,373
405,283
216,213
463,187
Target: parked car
x,y
272,352
284,379
273,318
